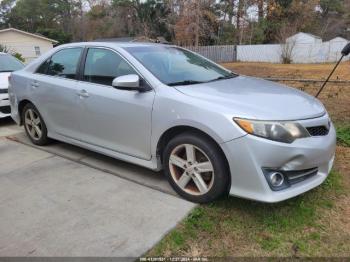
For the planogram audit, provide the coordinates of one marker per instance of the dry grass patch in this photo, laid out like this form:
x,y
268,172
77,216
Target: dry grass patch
x,y
312,71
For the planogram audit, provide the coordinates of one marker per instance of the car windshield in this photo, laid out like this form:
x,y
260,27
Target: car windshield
x,y
9,64
175,66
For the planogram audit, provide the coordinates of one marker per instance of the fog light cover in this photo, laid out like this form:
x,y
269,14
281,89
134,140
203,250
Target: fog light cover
x,y
276,180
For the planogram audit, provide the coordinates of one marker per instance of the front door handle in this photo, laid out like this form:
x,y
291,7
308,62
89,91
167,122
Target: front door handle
x,y
83,93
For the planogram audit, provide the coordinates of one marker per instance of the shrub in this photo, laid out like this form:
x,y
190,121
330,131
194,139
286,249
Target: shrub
x,y
19,57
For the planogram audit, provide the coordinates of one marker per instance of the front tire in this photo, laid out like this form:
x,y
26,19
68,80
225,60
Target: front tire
x,y
34,125
196,168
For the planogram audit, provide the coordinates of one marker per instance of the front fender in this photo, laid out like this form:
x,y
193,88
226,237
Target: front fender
x,y
172,109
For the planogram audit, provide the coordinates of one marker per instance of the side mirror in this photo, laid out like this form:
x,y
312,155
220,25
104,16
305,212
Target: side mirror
x,y
346,50
127,82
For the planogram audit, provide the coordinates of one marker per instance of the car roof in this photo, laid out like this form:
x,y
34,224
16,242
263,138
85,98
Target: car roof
x,y
114,44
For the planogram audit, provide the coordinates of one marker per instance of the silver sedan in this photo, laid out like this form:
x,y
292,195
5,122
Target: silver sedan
x,y
213,132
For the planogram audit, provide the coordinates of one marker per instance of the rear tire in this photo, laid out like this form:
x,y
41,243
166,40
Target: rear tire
x,y
34,125
196,168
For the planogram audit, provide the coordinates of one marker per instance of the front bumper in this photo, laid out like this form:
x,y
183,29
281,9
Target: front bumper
x,y
249,154
4,106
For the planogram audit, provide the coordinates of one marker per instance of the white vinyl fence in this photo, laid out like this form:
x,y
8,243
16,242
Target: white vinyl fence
x,y
217,53
325,52
259,53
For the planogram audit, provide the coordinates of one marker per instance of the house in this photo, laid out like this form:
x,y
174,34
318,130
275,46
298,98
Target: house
x,y
304,38
29,45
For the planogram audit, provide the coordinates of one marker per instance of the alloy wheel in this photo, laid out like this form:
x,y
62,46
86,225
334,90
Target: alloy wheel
x,y
191,169
33,124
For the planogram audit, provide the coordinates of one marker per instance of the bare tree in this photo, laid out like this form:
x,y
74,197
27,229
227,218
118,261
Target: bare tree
x,y
239,16
195,22
197,14
287,44
260,9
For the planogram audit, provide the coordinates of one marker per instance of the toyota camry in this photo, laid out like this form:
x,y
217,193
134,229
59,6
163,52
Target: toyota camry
x,y
212,131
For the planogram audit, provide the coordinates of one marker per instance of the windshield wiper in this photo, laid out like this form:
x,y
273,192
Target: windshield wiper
x,y
185,82
6,71
192,82
223,77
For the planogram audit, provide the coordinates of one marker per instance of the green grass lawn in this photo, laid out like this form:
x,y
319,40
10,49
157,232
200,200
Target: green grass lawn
x,y
343,134
313,224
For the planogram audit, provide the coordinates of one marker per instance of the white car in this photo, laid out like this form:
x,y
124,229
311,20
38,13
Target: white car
x,y
8,64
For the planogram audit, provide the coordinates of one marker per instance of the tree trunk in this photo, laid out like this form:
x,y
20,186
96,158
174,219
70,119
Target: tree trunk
x,y
238,20
230,11
269,8
197,24
260,10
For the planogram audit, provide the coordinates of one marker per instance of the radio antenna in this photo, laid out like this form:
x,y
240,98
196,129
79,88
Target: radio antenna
x,y
344,52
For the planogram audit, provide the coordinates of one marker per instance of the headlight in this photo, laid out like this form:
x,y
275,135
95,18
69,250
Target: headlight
x,y
281,131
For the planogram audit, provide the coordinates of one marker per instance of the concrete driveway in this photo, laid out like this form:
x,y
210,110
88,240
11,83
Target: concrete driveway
x,y
8,127
65,204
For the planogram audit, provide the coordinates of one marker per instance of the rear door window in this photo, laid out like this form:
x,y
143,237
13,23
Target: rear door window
x,y
64,63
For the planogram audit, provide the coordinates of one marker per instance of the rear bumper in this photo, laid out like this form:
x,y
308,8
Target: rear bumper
x,y
4,106
249,154
14,107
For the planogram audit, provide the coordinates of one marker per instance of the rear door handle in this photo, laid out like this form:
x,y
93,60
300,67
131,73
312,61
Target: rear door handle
x,y
83,93
35,84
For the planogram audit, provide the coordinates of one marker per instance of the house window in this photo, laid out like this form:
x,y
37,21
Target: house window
x,y
37,50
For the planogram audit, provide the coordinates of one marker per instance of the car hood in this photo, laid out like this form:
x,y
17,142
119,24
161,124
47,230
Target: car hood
x,y
254,98
4,80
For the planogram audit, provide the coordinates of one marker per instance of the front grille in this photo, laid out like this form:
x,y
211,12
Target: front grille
x,y
318,130
300,175
4,91
5,109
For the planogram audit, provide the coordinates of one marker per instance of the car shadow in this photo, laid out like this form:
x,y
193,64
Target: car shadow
x,y
6,121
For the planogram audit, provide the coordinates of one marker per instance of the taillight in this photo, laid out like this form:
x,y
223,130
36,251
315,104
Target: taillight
x,y
9,78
